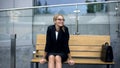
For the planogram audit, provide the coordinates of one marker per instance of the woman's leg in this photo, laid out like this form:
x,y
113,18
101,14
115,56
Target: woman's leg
x,y
58,61
51,62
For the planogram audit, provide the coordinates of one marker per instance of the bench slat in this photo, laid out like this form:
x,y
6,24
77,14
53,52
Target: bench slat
x,y
89,39
80,39
81,61
75,48
78,54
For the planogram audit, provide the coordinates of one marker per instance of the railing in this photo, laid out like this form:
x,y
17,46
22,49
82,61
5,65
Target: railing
x,y
73,4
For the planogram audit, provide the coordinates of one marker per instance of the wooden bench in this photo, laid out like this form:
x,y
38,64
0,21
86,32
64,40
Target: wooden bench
x,y
85,49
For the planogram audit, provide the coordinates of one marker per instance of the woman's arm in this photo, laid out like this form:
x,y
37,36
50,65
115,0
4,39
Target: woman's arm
x,y
70,61
44,55
69,56
47,46
43,60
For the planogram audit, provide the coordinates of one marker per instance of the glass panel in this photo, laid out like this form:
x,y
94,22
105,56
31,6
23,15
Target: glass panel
x,y
5,39
114,13
95,21
23,27
22,20
114,18
53,2
17,22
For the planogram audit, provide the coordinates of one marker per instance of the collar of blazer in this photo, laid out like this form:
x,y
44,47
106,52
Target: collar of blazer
x,y
59,33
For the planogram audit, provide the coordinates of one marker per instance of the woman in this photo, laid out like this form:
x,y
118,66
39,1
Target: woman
x,y
57,49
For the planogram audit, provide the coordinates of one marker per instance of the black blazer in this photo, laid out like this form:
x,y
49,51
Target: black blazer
x,y
59,45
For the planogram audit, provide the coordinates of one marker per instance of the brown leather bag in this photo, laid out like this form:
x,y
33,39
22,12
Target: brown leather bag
x,y
106,53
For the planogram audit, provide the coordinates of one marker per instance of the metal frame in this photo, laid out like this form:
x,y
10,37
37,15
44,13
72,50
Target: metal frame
x,y
36,65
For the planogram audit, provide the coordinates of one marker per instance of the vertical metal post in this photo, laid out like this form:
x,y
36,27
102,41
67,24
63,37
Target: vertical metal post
x,y
108,65
37,65
118,31
77,22
77,11
32,65
13,51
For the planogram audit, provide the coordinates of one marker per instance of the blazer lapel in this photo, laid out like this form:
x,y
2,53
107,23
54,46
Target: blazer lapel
x,y
54,34
59,35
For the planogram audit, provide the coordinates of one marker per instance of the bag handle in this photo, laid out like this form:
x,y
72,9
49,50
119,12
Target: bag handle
x,y
106,44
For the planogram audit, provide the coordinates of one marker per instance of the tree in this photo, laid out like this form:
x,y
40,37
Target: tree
x,y
90,7
46,8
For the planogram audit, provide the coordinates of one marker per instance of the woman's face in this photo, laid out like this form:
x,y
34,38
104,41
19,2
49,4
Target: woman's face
x,y
59,21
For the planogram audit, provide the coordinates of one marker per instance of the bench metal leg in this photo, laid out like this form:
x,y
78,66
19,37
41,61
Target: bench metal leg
x,y
112,66
32,65
37,65
108,65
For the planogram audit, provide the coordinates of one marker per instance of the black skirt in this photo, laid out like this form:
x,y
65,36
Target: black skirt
x,y
63,56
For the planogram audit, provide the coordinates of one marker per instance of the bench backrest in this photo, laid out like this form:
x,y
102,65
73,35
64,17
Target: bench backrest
x,y
84,46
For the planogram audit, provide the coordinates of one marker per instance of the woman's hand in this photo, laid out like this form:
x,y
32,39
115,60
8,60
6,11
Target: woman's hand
x,y
71,62
43,60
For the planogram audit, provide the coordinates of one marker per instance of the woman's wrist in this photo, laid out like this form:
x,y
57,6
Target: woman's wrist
x,y
43,57
70,58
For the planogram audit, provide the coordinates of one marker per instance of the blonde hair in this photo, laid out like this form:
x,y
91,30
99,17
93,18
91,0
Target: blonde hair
x,y
55,18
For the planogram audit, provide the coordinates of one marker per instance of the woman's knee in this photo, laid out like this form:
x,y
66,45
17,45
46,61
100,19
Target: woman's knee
x,y
51,58
58,58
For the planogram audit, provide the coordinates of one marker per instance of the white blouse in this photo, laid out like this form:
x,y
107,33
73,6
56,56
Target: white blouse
x,y
56,34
